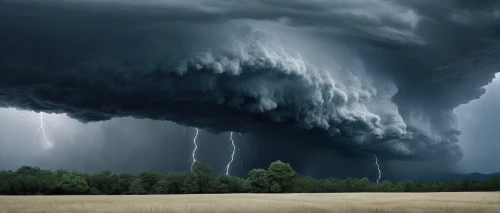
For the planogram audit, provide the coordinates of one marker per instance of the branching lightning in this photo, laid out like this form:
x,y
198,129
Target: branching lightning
x,y
378,168
232,154
194,150
40,130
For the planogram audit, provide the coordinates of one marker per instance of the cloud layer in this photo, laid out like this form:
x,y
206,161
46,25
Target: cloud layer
x,y
358,76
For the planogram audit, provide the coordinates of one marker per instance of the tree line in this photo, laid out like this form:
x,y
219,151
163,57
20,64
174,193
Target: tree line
x,y
278,178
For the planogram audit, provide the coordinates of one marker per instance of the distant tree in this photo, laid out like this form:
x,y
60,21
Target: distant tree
x,y
435,187
6,181
236,184
465,185
384,186
94,191
175,182
247,186
163,187
305,185
190,183
451,185
149,179
137,187
102,182
406,185
47,182
205,178
259,181
347,185
223,184
361,185
73,183
26,181
494,184
479,185
418,186
281,176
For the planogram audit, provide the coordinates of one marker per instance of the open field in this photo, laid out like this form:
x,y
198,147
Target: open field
x,y
341,202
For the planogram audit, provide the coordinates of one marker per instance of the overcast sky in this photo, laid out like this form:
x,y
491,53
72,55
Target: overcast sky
x,y
480,137
324,85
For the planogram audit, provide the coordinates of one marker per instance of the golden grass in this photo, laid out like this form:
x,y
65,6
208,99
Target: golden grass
x,y
342,202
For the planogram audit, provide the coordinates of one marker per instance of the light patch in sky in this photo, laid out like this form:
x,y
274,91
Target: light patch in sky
x,y
478,122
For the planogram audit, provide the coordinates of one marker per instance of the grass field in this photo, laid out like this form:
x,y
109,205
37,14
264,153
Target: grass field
x,y
341,202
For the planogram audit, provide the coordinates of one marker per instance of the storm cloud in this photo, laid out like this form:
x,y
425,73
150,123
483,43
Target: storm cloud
x,y
358,77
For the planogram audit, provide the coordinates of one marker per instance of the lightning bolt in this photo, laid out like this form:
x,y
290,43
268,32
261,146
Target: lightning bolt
x,y
194,150
40,130
232,154
378,168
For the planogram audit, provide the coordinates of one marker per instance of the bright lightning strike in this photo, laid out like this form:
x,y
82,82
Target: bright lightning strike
x,y
194,150
40,130
232,154
378,168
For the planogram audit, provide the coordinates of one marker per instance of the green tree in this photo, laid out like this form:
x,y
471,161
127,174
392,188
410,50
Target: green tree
x,y
281,176
465,185
451,185
28,181
347,185
149,179
435,187
175,182
137,187
305,185
102,182
259,181
362,185
6,180
494,184
190,184
163,187
73,183
122,184
236,184
406,185
384,186
47,182
204,177
223,184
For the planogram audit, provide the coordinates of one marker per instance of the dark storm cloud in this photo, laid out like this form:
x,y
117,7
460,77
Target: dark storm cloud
x,y
360,76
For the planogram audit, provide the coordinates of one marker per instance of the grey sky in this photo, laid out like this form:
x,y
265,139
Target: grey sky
x,y
480,137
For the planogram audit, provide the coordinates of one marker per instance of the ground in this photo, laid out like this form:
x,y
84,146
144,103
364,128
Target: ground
x,y
338,202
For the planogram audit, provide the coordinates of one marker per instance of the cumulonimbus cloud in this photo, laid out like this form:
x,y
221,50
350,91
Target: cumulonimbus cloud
x,y
381,79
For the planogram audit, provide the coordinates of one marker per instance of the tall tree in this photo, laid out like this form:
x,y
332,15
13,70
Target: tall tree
x,y
281,176
204,177
258,180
